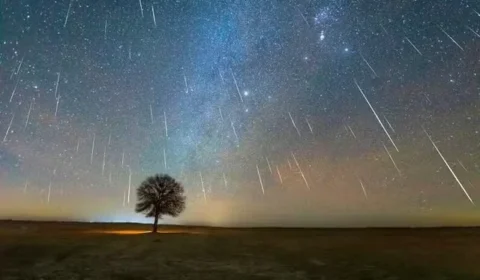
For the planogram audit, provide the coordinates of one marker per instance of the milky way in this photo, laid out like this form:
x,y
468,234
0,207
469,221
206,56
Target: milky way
x,y
303,113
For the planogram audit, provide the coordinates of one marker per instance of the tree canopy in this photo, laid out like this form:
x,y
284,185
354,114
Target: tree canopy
x,y
160,195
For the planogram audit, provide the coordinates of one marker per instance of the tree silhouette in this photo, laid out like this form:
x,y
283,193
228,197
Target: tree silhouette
x,y
160,195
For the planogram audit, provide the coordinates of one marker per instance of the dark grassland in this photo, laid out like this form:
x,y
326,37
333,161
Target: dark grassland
x,y
34,250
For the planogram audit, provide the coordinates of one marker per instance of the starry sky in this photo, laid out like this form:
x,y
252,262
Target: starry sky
x,y
283,113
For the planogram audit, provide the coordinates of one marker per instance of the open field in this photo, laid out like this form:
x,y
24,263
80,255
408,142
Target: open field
x,y
30,250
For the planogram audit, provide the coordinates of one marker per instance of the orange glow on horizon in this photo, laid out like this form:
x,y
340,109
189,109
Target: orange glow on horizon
x,y
134,232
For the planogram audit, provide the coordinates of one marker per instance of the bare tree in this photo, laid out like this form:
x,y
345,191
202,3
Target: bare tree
x,y
160,195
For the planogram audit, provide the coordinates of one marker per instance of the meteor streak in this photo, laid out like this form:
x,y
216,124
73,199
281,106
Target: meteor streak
x,y
279,175
451,38
236,85
300,169
93,148
268,163
260,179
391,158
203,187
294,125
8,129
375,113
28,114
418,51
363,188
448,166
129,184
141,7
369,66
68,13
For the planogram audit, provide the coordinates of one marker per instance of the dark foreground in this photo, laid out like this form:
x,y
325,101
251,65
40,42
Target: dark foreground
x,y
115,251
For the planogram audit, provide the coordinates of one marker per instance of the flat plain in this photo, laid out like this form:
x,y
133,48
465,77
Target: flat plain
x,y
50,250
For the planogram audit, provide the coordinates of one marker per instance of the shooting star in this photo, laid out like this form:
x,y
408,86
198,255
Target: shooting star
x,y
151,114
363,188
384,30
124,197
56,106
450,37
203,187
93,148
14,90
369,66
279,175
49,192
234,132
236,85
221,114
141,7
426,97
221,76
389,125
28,114
391,158
448,166
165,122
153,15
294,125
351,131
309,126
56,85
260,179
105,30
129,184
13,73
19,66
474,32
123,158
186,83
300,169
68,13
303,17
269,167
78,145
461,164
103,163
418,51
165,158
375,113
8,129
225,183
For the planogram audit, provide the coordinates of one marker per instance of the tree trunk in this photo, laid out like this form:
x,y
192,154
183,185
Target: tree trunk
x,y
155,224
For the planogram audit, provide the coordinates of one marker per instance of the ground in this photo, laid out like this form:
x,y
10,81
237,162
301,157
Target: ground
x,y
30,250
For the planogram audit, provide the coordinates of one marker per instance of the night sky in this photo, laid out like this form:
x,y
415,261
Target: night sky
x,y
292,113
